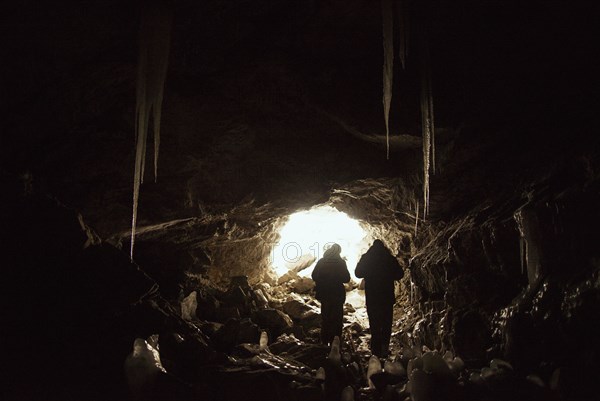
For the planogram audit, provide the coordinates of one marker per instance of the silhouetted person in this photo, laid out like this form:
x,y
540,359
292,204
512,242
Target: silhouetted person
x,y
379,269
329,275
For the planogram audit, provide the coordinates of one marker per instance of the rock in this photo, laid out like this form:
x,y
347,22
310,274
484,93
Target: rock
x,y
240,298
227,336
303,285
296,331
207,306
303,314
302,263
433,363
245,350
225,313
185,356
210,328
275,321
285,343
309,393
394,368
261,299
286,277
249,332
239,281
295,308
471,336
422,386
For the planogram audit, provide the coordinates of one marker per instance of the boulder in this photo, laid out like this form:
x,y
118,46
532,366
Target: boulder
x,y
302,285
275,321
303,314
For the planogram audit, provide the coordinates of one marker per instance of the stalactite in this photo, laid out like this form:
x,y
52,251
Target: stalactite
x,y
403,31
427,123
417,218
388,64
154,46
522,253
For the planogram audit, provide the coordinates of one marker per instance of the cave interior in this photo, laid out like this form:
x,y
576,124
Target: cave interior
x,y
243,136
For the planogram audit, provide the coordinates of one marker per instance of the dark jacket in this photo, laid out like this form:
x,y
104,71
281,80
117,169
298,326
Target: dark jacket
x,y
329,275
379,269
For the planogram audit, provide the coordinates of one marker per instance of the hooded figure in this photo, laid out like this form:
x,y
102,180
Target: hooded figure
x,y
329,275
379,269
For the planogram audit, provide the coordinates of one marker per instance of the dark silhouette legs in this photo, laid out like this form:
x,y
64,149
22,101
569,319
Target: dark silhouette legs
x,y
380,322
332,315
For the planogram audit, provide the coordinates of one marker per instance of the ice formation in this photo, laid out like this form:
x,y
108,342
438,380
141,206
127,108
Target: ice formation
x,y
347,394
427,124
264,340
394,368
373,367
427,119
142,366
188,306
403,32
388,65
334,354
155,38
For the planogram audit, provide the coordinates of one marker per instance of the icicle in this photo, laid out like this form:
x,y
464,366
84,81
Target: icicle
x,y
403,32
388,65
417,219
427,123
522,251
155,33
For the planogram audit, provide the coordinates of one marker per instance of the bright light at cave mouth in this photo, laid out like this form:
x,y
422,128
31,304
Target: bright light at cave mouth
x,y
307,233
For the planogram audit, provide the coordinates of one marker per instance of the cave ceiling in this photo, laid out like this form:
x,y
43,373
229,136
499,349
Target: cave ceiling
x,y
274,106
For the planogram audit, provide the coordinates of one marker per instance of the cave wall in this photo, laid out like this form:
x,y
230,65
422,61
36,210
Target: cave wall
x,y
499,281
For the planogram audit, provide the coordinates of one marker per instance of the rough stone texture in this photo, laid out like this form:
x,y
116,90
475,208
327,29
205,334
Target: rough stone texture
x,y
273,320
304,315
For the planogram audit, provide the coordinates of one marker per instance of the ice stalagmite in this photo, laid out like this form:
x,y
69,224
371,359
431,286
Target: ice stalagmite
x,y
155,38
373,367
388,65
142,367
427,124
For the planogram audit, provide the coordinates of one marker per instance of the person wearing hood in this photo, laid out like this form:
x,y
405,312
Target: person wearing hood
x,y
329,276
379,269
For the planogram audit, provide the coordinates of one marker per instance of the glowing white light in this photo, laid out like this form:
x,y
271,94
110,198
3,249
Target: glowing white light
x,y
306,233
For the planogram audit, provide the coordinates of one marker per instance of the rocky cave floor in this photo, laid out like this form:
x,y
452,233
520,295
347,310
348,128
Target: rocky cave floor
x,y
99,328
227,326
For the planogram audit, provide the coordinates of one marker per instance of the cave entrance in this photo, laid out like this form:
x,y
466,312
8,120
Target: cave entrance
x,y
305,234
